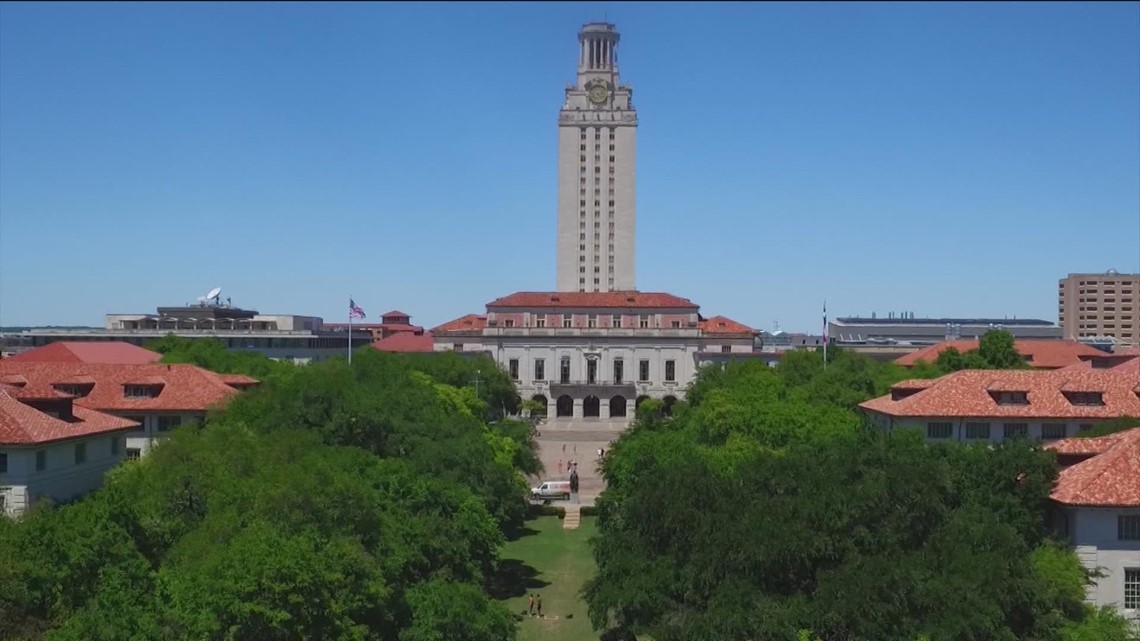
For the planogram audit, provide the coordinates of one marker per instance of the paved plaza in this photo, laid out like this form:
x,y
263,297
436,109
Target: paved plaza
x,y
566,439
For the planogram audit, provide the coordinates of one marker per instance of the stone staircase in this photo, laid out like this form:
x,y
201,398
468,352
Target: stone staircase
x,y
573,517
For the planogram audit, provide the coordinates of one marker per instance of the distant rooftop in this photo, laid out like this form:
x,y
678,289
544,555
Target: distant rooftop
x,y
861,320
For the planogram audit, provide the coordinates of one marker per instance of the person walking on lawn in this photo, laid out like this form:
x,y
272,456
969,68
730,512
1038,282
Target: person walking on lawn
x,y
538,603
530,605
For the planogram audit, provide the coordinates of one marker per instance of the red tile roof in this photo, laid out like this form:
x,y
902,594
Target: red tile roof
x,y
22,424
612,300
406,342
724,325
1109,479
239,381
1089,446
1042,354
468,323
183,387
967,394
88,352
395,312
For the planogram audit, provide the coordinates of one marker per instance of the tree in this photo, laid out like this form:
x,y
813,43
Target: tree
x,y
997,349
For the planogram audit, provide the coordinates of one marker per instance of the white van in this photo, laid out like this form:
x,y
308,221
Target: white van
x,y
551,490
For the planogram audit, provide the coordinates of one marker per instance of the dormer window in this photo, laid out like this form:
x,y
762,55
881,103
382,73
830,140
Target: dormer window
x,y
1010,398
141,391
1085,399
900,394
508,323
74,389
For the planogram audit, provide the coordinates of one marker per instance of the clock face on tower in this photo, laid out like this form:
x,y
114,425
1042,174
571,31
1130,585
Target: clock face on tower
x,y
598,93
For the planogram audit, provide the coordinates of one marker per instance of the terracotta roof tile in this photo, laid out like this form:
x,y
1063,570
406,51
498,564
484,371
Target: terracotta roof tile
x,y
238,380
395,312
468,323
1109,479
22,424
1042,354
88,352
967,394
184,387
406,342
1084,445
724,325
613,300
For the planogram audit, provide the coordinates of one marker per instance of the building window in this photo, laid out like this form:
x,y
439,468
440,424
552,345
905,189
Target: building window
x,y
3,462
539,369
1011,398
80,453
643,322
725,349
133,453
939,430
565,373
619,371
508,323
1015,430
643,371
167,423
592,319
513,366
567,319
675,324
670,370
1050,431
1128,527
978,430
1132,588
141,420
139,391
540,321
115,446
1085,398
591,371
41,460
615,321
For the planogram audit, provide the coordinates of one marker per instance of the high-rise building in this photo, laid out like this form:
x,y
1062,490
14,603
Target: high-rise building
x,y
597,135
1091,306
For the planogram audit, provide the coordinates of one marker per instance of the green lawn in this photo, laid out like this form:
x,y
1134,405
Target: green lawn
x,y
555,563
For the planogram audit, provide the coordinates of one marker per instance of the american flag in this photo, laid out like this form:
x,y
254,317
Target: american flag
x,y
354,311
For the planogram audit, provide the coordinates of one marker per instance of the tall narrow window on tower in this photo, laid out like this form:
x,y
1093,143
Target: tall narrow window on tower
x,y
596,104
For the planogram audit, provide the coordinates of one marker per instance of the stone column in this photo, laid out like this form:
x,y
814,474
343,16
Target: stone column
x,y
578,409
603,407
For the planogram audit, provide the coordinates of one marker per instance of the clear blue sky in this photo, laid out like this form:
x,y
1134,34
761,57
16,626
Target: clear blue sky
x,y
950,159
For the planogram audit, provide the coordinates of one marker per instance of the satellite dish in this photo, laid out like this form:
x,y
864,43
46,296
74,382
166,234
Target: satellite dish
x,y
214,292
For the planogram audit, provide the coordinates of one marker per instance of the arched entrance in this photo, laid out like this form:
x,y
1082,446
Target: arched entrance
x,y
565,406
639,401
591,407
539,400
617,406
668,401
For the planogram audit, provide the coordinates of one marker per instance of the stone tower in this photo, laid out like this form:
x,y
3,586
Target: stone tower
x,y
597,136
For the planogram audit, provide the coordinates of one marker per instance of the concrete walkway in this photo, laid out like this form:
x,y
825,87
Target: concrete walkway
x,y
564,440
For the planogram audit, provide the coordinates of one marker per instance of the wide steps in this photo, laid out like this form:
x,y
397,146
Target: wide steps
x,y
573,517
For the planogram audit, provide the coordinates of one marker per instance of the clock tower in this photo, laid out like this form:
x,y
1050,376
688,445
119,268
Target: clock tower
x,y
597,134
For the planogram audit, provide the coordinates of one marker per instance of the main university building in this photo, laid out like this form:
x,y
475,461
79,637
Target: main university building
x,y
597,346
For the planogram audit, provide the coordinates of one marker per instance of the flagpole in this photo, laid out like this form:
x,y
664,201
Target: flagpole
x,y
825,341
350,332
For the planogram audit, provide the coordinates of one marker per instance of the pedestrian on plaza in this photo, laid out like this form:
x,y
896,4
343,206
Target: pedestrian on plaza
x,y
530,605
538,603
563,448
574,482
559,466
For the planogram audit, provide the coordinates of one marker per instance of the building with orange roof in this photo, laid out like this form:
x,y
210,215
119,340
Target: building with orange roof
x,y
1040,353
113,352
52,447
156,398
992,405
597,354
1097,497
